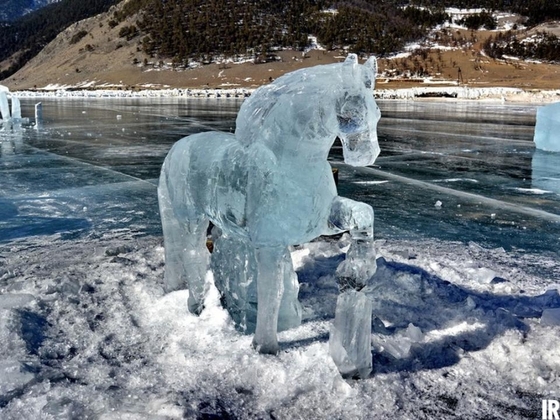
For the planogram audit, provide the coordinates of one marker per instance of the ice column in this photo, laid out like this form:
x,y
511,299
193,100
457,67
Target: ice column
x,y
4,107
38,115
547,129
16,108
350,338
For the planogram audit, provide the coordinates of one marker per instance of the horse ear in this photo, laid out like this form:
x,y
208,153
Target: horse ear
x,y
351,60
371,72
371,64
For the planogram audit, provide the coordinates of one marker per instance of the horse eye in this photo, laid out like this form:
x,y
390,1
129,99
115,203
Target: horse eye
x,y
344,120
346,123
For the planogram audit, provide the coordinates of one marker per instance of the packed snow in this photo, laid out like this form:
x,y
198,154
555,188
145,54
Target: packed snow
x,y
89,332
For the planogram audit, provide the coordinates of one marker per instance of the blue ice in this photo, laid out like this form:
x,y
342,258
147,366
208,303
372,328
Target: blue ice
x,y
547,129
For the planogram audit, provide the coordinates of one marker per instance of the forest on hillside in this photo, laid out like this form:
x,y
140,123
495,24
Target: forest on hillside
x,y
536,11
542,46
11,9
202,30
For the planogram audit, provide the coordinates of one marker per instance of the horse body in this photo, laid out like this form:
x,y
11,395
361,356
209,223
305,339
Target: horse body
x,y
269,186
216,179
209,175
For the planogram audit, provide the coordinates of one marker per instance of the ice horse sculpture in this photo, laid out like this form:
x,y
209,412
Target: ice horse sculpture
x,y
547,129
269,186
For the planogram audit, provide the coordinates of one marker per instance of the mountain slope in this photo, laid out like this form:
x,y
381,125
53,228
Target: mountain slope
x,y
23,39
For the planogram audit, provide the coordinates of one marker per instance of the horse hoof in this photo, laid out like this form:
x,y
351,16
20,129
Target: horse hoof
x,y
273,349
195,308
356,374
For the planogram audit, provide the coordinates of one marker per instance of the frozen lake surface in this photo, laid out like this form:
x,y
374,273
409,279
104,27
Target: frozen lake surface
x,y
467,228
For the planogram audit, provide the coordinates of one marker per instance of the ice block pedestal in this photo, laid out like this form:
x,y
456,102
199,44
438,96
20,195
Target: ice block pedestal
x,y
547,130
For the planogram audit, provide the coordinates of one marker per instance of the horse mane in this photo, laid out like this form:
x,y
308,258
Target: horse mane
x,y
314,85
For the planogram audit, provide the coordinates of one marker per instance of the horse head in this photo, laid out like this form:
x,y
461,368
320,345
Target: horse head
x,y
357,113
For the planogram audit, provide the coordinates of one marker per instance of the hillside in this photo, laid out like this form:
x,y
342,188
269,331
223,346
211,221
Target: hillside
x,y
24,38
121,49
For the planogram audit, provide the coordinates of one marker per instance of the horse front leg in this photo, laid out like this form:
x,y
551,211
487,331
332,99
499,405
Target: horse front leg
x,y
350,338
270,287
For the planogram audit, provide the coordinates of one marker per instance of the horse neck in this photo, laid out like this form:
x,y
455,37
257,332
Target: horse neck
x,y
304,133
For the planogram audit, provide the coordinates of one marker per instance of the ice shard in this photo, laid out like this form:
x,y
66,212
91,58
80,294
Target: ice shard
x,y
269,186
4,106
547,129
350,338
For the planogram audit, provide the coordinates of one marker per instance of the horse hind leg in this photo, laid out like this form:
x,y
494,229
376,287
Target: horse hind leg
x,y
186,255
270,288
234,264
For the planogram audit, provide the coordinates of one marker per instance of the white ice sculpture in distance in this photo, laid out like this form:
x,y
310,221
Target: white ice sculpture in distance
x,y
547,129
16,109
269,186
4,106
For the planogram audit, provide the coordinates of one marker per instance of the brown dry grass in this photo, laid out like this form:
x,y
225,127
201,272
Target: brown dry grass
x,y
470,67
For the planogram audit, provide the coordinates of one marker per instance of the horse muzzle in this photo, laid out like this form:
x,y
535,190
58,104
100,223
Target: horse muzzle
x,y
360,149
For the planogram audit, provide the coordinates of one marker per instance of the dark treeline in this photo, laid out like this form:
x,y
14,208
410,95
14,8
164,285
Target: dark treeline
x,y
381,29
544,46
480,20
32,32
536,11
200,30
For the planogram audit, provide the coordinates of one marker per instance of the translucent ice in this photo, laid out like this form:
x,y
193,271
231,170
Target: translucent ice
x,y
350,339
38,114
4,106
414,333
13,376
269,186
545,168
547,129
551,317
15,115
239,286
15,300
16,108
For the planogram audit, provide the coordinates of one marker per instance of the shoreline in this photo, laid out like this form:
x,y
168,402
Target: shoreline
x,y
494,94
